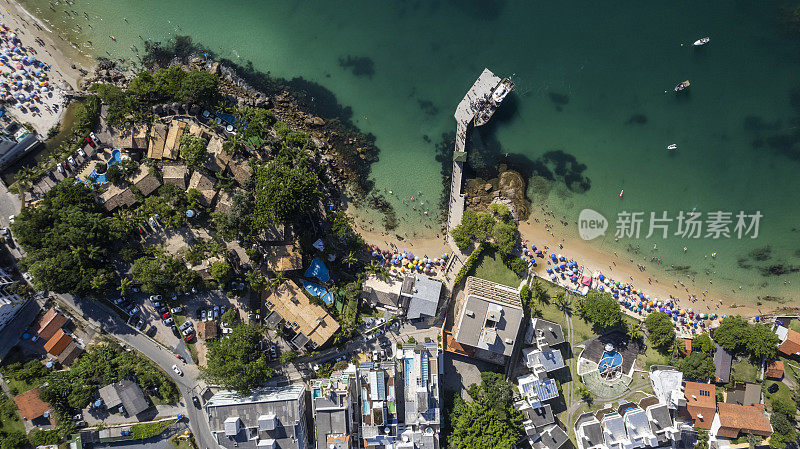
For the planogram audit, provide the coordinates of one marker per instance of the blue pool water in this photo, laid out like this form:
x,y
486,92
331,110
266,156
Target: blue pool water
x,y
95,178
318,291
116,156
408,365
364,403
318,270
611,359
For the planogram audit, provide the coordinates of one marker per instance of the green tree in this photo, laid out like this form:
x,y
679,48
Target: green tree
x,y
14,440
164,274
288,356
349,259
490,420
348,318
199,87
702,438
602,309
193,149
784,431
697,366
505,236
526,296
633,331
762,343
702,343
540,293
561,301
232,363
169,82
732,334
221,271
256,280
274,283
285,188
660,330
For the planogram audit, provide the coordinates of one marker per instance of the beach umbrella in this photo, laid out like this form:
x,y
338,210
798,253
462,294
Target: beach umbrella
x,y
601,277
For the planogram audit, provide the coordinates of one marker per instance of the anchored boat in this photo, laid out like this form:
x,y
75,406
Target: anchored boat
x,y
701,41
682,86
493,101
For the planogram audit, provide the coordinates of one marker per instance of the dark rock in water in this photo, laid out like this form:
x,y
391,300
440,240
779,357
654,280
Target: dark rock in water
x,y
639,119
557,98
761,254
361,65
426,138
428,107
560,166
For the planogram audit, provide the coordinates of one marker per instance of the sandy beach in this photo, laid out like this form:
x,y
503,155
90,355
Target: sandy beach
x,y
57,52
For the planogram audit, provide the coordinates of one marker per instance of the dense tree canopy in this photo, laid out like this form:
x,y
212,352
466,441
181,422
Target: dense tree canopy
x,y
601,309
490,421
164,274
702,343
193,150
66,239
732,334
221,271
762,343
740,337
697,366
285,189
474,227
232,362
660,329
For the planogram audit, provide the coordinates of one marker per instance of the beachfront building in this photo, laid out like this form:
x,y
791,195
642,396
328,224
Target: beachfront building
x,y
269,418
701,404
421,368
312,325
539,426
667,384
15,141
378,405
543,332
334,401
589,432
382,293
722,365
733,420
489,321
543,360
10,303
789,341
537,390
629,429
419,296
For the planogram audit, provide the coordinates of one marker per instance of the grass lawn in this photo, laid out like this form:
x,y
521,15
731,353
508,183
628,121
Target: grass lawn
x,y
783,392
9,418
179,320
744,371
789,369
491,267
794,325
652,357
182,443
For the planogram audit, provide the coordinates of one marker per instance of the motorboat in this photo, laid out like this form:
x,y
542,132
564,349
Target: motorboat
x,y
701,41
673,146
682,86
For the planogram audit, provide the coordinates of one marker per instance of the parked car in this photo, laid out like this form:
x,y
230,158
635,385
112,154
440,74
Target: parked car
x,y
91,142
81,152
178,309
94,137
165,315
221,310
177,370
203,315
376,356
157,304
187,331
141,324
175,331
168,321
60,169
196,402
11,218
189,337
216,312
71,160
64,164
118,301
186,325
133,310
226,330
154,298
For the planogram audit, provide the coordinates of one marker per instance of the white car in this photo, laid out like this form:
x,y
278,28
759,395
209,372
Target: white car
x,y
11,219
186,325
60,169
187,331
175,310
155,298
71,160
226,330
81,152
94,137
177,370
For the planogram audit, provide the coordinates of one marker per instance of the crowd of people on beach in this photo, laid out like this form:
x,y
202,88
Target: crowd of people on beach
x,y
24,81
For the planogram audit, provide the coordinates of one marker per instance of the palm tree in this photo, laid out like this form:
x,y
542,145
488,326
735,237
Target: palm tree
x,y
634,331
349,259
562,302
539,292
124,285
377,269
678,348
274,283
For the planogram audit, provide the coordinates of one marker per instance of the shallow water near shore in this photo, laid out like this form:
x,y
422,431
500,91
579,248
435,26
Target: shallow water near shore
x,y
593,80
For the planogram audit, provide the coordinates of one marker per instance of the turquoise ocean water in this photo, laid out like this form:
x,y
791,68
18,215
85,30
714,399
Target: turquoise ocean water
x,y
591,80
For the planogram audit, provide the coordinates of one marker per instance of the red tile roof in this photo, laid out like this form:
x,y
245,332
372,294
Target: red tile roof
x,y
791,345
58,343
774,370
701,403
736,418
687,343
49,324
30,405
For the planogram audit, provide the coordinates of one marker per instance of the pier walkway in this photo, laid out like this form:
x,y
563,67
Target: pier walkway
x,y
477,99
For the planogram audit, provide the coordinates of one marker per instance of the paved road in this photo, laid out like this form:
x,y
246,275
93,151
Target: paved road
x,y
104,318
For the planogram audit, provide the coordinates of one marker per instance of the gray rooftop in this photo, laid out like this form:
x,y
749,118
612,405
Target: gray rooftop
x,y
268,417
550,359
659,419
128,394
382,291
539,417
491,317
722,364
552,437
544,331
332,400
749,395
592,431
423,296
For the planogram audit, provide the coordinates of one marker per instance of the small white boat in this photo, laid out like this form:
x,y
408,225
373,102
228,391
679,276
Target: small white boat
x,y
701,41
682,86
621,192
673,146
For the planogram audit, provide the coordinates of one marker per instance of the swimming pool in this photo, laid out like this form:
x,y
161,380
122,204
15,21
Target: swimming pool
x,y
408,364
318,291
116,156
610,360
318,270
95,178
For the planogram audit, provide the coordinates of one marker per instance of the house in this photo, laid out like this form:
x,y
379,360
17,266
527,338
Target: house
x,y
173,140
722,365
668,387
115,197
283,258
542,332
10,303
241,170
139,137
661,424
144,181
614,433
750,394
334,401
174,174
268,418
127,394
217,159
537,390
774,370
378,408
638,428
32,408
539,426
701,403
311,323
543,360
490,320
49,323
208,330
205,185
589,432
421,395
58,342
70,353
224,202
552,437
733,419
419,296
383,293
158,137
789,341
276,234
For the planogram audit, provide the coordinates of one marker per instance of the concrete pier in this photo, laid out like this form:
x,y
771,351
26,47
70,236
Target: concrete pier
x,y
478,97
